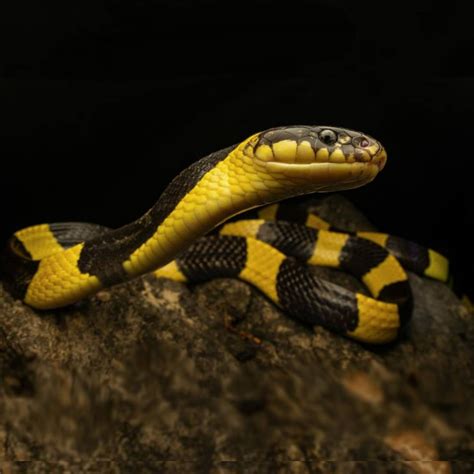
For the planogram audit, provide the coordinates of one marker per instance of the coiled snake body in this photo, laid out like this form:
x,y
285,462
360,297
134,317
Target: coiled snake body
x,y
53,265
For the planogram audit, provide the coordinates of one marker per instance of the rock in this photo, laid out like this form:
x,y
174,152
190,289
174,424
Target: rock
x,y
156,376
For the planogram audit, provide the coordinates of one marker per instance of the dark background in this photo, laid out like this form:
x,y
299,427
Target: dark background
x,y
103,105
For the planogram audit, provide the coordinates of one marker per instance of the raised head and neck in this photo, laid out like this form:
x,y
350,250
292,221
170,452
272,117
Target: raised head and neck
x,y
269,166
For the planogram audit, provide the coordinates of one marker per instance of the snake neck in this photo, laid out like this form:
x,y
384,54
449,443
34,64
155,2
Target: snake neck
x,y
104,256
201,197
232,184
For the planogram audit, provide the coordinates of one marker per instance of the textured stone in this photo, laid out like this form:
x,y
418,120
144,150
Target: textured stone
x,y
156,376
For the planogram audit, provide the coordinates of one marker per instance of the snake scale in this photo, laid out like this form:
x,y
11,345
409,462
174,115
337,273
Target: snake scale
x,y
53,265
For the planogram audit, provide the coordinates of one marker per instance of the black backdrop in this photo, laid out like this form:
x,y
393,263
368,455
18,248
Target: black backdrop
x,y
103,104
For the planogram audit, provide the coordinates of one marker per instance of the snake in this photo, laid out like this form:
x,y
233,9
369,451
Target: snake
x,y
186,236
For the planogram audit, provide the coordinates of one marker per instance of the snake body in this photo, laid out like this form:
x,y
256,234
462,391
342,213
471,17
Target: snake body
x,y
53,265
413,257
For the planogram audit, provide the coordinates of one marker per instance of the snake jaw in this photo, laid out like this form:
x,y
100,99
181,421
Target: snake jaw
x,y
326,176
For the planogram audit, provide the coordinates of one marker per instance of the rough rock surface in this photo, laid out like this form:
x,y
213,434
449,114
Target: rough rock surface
x,y
156,376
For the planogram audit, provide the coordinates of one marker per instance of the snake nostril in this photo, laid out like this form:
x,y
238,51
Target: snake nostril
x,y
361,142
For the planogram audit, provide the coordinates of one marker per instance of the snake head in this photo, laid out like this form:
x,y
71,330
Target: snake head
x,y
323,157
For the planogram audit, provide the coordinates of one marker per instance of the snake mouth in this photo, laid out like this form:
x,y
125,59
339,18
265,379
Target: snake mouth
x,y
326,176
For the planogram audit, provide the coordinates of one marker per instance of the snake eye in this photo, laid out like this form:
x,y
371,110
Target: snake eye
x,y
361,142
328,137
